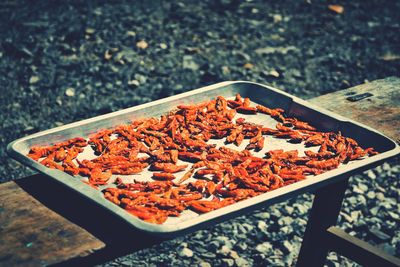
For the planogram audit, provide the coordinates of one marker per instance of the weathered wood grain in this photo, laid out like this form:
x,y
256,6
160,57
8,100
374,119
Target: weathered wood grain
x,y
380,111
33,235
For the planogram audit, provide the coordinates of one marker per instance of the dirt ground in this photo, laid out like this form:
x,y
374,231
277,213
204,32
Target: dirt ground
x,y
64,61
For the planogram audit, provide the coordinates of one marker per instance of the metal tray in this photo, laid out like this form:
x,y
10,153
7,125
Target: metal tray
x,y
261,94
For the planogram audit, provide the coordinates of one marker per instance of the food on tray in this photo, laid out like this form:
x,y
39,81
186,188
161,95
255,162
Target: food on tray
x,y
214,176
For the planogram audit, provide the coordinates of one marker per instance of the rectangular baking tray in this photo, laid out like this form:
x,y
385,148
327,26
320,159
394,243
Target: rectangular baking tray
x,y
260,94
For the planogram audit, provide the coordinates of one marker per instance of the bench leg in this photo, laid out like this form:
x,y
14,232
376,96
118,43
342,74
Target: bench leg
x,y
324,213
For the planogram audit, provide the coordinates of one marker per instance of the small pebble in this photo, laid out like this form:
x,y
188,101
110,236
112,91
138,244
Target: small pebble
x,y
285,220
277,18
186,252
363,187
263,215
262,226
371,175
90,30
289,209
142,44
131,33
374,211
70,92
228,262
393,215
274,73
34,79
204,264
225,250
134,83
248,66
208,255
371,194
241,262
233,254
380,196
264,248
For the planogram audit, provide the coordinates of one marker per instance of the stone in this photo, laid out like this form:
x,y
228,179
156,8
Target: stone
x,y
133,83
302,209
233,254
354,215
247,226
186,252
163,46
289,210
34,79
371,175
90,30
357,190
285,221
262,226
241,262
275,50
363,187
264,248
374,211
208,255
263,215
274,73
394,215
288,246
346,217
371,195
277,18
286,229
140,78
276,213
70,92
227,262
225,250
386,167
126,263
248,65
189,63
380,196
361,200
142,44
131,33
241,246
204,264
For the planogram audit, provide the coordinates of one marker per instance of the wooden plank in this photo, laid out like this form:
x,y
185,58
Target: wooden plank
x,y
380,111
324,213
33,235
358,250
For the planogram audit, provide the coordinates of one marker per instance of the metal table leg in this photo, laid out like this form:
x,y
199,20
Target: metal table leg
x,y
324,213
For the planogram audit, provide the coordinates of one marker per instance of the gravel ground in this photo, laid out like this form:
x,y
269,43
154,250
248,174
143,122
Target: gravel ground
x,y
62,62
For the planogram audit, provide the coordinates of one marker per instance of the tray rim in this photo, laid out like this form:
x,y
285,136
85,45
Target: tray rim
x,y
167,230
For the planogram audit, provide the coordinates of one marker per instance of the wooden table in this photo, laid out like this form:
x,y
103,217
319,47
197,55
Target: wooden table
x,y
38,227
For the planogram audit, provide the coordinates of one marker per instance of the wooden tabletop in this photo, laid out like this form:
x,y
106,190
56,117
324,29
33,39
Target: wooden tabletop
x,y
33,233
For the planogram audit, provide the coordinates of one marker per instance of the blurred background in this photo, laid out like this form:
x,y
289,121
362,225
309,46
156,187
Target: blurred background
x,y
64,61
